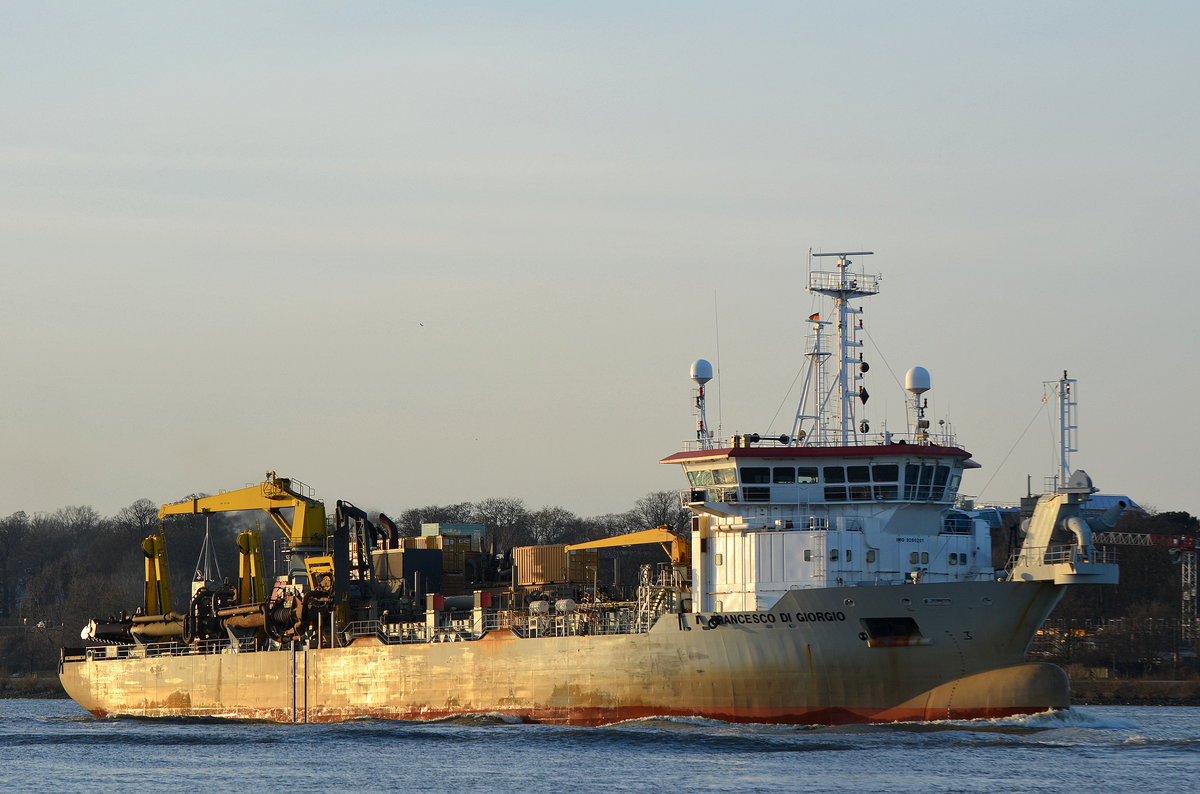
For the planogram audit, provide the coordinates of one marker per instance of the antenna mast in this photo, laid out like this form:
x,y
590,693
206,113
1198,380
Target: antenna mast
x,y
1064,388
841,286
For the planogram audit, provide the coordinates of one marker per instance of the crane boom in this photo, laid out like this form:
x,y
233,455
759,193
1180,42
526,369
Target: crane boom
x,y
305,530
674,545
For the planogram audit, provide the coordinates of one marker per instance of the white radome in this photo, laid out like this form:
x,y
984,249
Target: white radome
x,y
916,380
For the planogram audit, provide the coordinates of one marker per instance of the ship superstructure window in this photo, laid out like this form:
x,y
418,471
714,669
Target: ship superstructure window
x,y
926,482
806,474
703,477
835,492
885,472
853,483
833,555
783,475
755,475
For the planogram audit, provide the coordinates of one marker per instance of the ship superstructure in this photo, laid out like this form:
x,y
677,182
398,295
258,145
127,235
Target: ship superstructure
x,y
827,577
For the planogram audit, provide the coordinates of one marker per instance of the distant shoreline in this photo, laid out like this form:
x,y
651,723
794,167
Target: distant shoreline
x,y
1134,692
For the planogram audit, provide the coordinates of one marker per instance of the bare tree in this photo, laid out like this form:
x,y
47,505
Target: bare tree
x,y
658,508
507,522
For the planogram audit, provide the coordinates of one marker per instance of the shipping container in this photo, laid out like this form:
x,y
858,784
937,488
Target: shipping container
x,y
553,565
473,531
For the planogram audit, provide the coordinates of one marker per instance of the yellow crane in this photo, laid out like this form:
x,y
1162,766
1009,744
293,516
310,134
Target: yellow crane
x,y
305,531
676,547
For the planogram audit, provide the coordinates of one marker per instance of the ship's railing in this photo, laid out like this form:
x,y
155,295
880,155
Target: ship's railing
x,y
364,628
610,618
839,280
1064,553
943,438
153,649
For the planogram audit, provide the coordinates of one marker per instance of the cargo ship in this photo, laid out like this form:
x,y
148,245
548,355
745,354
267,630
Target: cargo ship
x,y
828,576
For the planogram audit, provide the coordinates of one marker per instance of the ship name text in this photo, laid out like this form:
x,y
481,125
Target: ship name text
x,y
771,617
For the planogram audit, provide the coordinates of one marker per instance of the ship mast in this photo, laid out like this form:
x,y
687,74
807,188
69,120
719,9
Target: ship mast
x,y
1064,389
833,422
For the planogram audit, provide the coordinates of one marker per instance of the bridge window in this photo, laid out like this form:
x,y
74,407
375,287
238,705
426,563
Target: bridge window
x,y
885,472
858,473
783,475
703,477
756,474
886,492
925,482
860,493
952,486
835,474
835,493
806,474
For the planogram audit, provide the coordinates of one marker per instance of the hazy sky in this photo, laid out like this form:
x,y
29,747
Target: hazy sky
x,y
419,253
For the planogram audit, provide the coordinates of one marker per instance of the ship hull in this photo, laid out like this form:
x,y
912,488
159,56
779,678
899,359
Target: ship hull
x,y
809,660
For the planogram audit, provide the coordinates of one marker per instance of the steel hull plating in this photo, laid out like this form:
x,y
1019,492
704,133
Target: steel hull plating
x,y
805,661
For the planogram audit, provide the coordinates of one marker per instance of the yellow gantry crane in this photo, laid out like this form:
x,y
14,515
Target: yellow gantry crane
x,y
306,529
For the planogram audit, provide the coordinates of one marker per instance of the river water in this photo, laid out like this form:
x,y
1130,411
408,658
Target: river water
x,y
53,745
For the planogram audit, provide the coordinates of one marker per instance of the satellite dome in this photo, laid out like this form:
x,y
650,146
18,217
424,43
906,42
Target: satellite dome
x,y
916,380
701,371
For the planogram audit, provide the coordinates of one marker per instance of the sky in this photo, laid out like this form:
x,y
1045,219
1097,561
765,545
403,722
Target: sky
x,y
424,253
